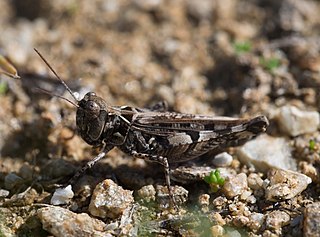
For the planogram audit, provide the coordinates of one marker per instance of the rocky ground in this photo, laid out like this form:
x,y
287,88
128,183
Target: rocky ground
x,y
234,58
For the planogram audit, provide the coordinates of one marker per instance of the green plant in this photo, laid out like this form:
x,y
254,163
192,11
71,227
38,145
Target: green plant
x,y
270,63
312,145
3,87
242,47
214,180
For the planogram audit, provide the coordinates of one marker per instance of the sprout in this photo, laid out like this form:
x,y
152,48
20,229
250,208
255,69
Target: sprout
x,y
214,180
312,145
242,47
270,63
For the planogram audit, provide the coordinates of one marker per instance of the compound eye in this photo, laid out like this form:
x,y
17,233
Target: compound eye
x,y
92,107
89,95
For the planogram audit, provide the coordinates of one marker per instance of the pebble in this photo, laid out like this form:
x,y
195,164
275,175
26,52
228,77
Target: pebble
x,y
285,184
62,196
219,202
184,174
311,222
223,159
204,199
4,193
148,5
26,171
277,219
24,198
217,230
255,182
11,180
109,200
309,170
294,121
217,219
61,222
240,221
256,221
191,174
201,9
58,168
259,153
162,196
147,193
235,186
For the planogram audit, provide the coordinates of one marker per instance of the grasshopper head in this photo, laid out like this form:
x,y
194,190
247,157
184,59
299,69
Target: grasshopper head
x,y
92,115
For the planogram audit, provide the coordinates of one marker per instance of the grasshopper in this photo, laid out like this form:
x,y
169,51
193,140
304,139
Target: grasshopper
x,y
154,134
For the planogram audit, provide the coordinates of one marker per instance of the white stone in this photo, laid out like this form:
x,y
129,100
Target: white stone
x,y
285,184
295,122
235,186
62,196
267,152
223,159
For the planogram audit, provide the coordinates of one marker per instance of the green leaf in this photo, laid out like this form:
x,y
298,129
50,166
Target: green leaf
x,y
312,145
242,47
270,63
3,87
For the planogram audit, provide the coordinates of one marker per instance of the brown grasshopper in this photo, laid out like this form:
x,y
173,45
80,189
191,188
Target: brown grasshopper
x,y
154,134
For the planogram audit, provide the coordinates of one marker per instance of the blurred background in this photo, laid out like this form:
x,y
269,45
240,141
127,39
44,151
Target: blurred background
x,y
222,57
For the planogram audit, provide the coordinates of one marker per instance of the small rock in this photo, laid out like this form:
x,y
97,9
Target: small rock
x,y
163,199
296,122
84,187
148,5
311,222
26,171
62,222
267,152
191,174
217,219
11,180
204,199
25,198
147,193
277,219
251,199
235,185
240,221
58,168
217,230
256,221
109,200
255,182
285,184
309,170
219,202
201,9
238,208
223,159
62,196
245,195
4,193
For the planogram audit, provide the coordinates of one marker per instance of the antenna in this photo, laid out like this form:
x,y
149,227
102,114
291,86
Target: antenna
x,y
57,76
59,96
